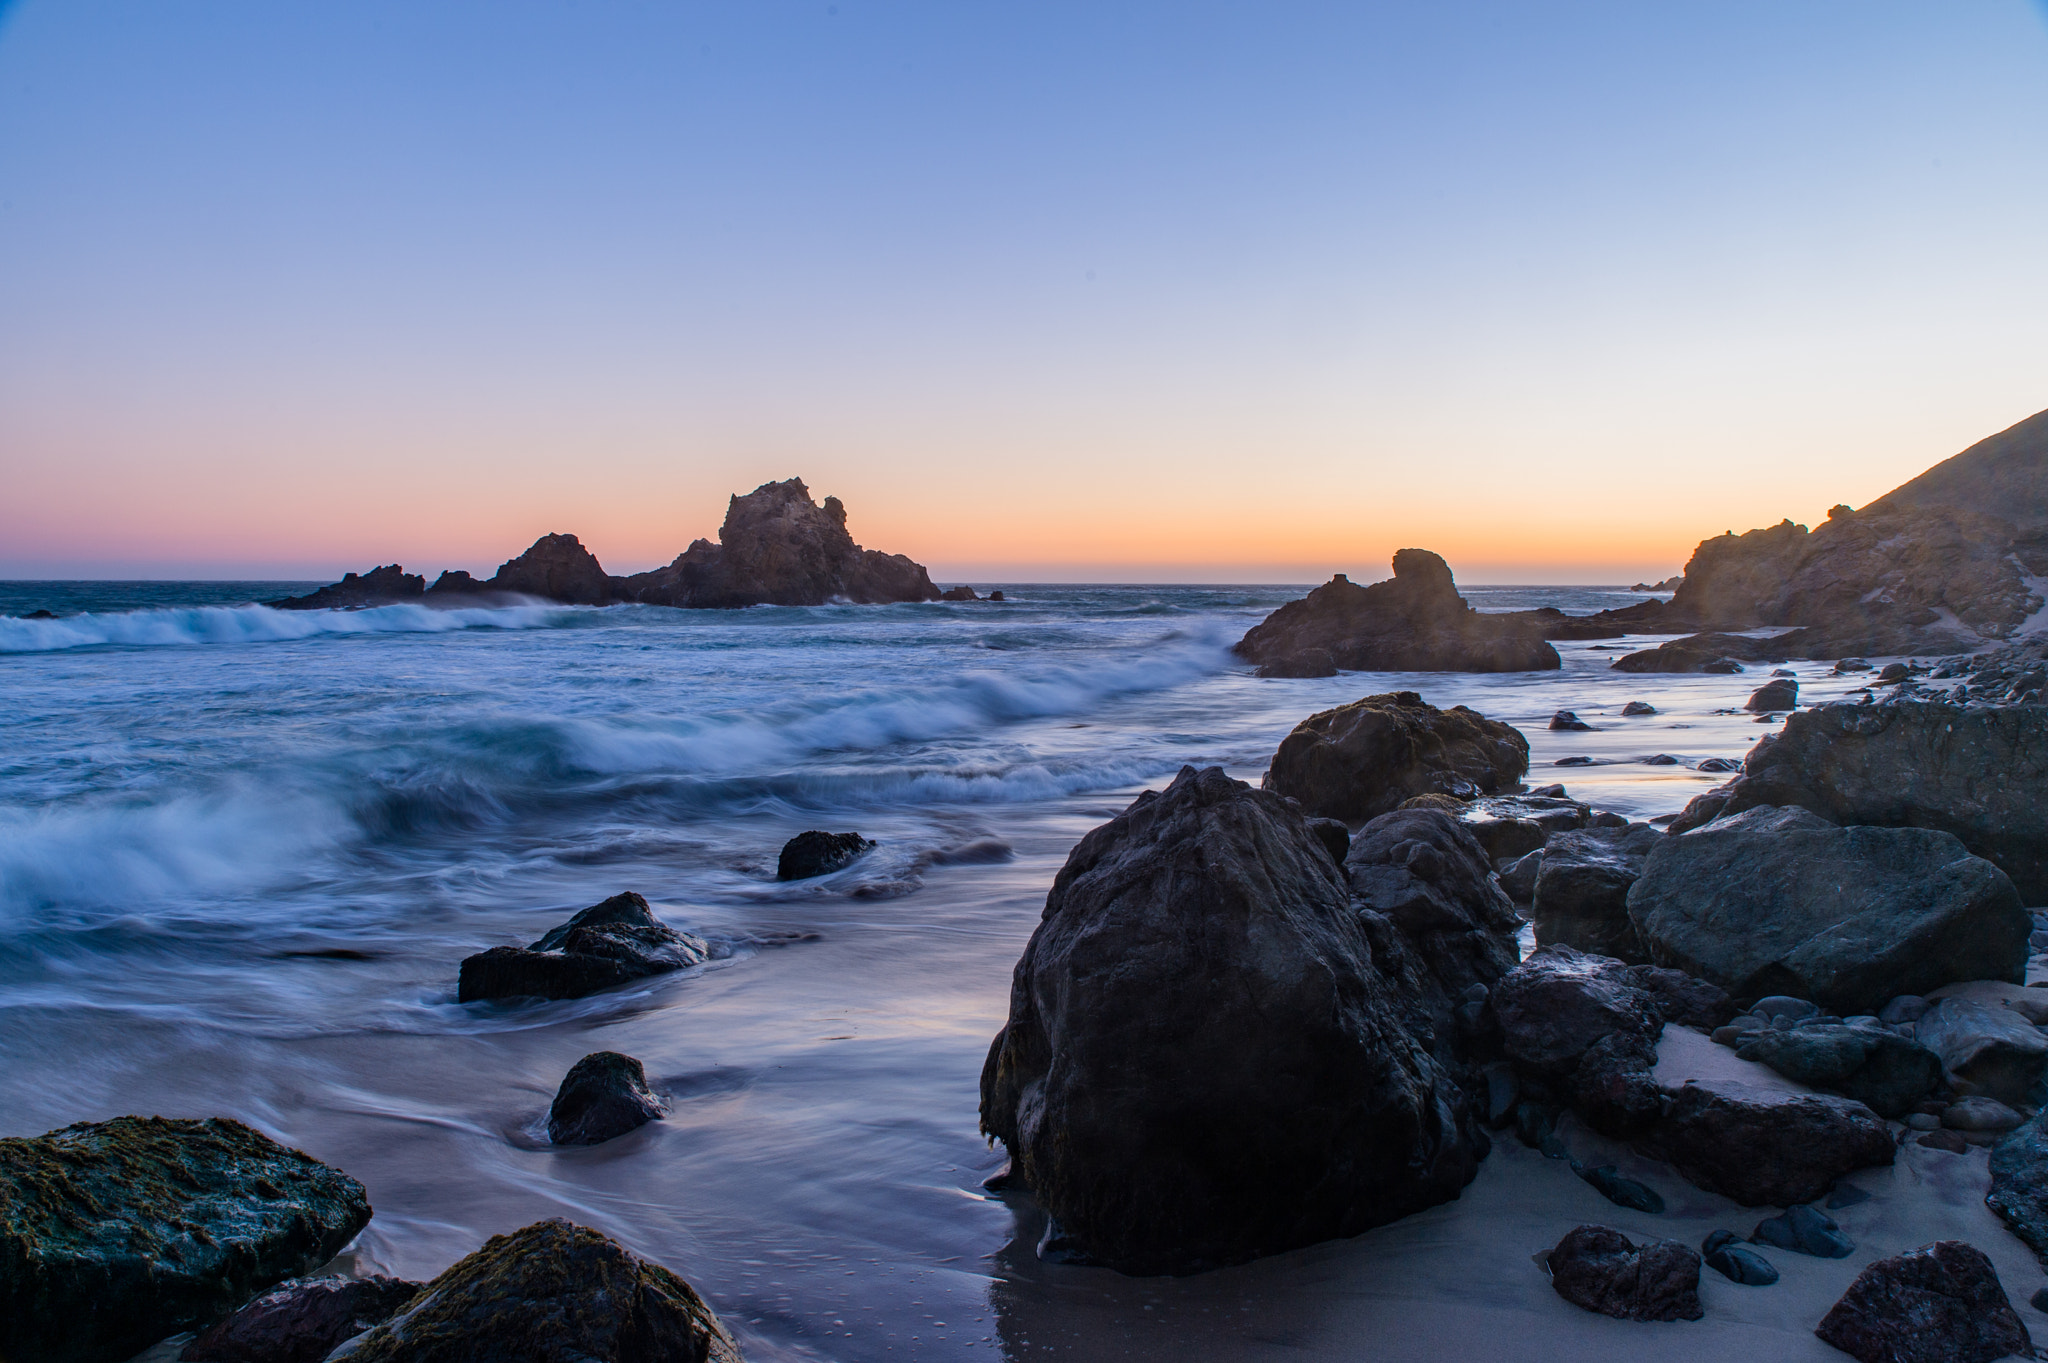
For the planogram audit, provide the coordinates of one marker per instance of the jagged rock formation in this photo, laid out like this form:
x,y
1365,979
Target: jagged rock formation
x,y
1413,622
556,568
780,548
1362,760
378,587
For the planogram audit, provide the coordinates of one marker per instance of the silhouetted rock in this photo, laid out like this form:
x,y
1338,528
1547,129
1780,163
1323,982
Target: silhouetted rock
x,y
115,1234
817,853
780,548
1413,622
1565,720
1977,772
1940,1303
958,594
1604,1271
1779,901
1204,1060
389,585
1998,476
454,582
995,596
551,1293
1364,759
556,568
301,1321
607,944
1780,693
604,1094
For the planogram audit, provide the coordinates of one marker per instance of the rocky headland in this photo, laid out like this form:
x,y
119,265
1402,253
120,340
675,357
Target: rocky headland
x,y
777,547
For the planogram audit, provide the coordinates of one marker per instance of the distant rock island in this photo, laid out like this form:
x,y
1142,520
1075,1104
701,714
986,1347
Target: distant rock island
x,y
777,548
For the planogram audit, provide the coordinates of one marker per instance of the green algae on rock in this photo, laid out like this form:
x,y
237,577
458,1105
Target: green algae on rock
x,y
115,1234
551,1293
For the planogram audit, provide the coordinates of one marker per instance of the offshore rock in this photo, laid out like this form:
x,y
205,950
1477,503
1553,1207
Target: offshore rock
x,y
1413,622
1204,1060
605,945
118,1233
1779,901
1940,1303
1702,653
817,853
1580,897
780,548
379,587
1364,759
1975,771
605,1094
1603,1270
556,568
301,1321
551,1293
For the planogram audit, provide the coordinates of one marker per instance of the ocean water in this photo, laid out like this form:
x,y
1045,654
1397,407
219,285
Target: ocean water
x,y
242,852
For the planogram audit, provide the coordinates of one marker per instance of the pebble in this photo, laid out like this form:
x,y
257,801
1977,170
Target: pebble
x,y
1738,1264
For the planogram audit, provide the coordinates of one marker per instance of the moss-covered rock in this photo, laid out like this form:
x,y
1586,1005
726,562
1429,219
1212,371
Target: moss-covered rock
x,y
115,1234
551,1293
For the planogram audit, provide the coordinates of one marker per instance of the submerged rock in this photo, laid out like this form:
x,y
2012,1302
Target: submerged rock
x,y
1940,1303
958,594
1204,1061
1413,622
301,1321
1603,1270
816,853
1364,759
608,944
551,1293
1780,901
604,1094
1566,721
1580,897
118,1233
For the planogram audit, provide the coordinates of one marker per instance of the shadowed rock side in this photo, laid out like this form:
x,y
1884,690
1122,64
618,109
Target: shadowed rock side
x,y
1413,622
2004,475
1204,1060
301,1321
551,1293
780,548
1940,1303
114,1234
1364,759
1977,772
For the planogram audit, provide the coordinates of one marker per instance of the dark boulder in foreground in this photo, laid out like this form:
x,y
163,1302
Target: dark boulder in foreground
x,y
301,1321
780,548
551,1293
1364,759
2019,1184
605,1094
605,945
1580,898
1413,622
1779,901
1603,1270
1203,1061
1978,772
1940,1303
383,586
817,853
115,1234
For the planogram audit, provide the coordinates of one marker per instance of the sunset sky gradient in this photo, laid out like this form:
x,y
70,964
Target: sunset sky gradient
x,y
1129,291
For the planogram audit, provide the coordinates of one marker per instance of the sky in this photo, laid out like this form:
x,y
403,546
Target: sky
x,y
1129,291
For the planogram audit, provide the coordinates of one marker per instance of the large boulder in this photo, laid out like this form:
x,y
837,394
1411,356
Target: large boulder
x,y
1581,892
1603,1270
2019,1184
1583,1028
1872,1064
1413,622
1975,771
551,1293
1779,901
555,568
383,586
1365,759
1203,1061
778,547
115,1234
1986,1049
607,944
301,1321
1764,1147
1940,1303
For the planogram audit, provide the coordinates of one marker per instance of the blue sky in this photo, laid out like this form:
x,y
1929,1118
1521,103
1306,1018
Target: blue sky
x,y
1193,290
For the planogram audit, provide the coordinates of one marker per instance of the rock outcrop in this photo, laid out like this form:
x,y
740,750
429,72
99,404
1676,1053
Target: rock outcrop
x,y
603,1095
385,586
780,548
115,1234
1779,901
1940,1303
607,944
1205,1060
1580,897
1978,772
1364,759
555,568
1985,1049
301,1321
1413,622
551,1293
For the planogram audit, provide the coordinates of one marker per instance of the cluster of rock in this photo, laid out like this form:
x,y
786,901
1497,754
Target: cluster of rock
x,y
1413,622
777,547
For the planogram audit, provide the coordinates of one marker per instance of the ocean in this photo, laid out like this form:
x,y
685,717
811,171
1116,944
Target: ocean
x,y
242,852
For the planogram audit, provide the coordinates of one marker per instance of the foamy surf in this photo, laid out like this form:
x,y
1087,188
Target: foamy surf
x,y
188,627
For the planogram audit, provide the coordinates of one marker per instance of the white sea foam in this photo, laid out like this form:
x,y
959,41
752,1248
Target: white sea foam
x,y
260,624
